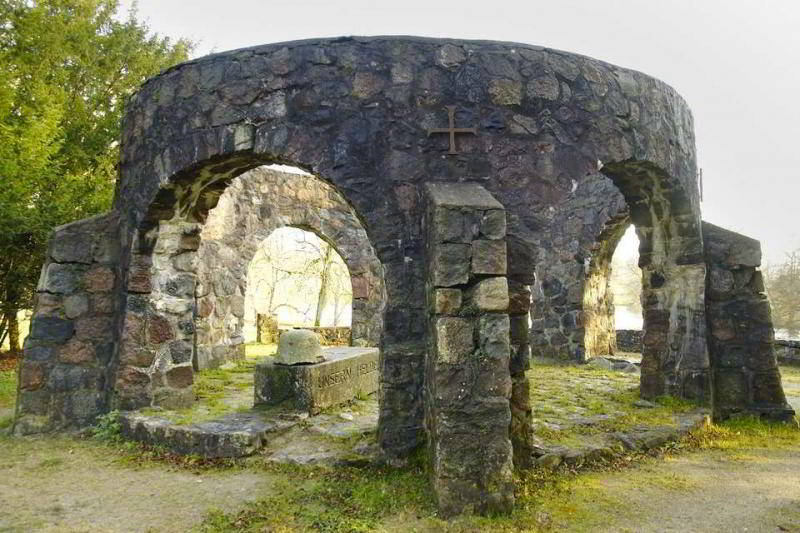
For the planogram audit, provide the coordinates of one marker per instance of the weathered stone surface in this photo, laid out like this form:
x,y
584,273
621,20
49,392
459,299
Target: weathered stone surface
x,y
299,346
99,279
52,329
469,361
447,301
76,305
235,435
455,341
490,294
60,279
451,265
787,352
346,373
746,378
76,352
489,257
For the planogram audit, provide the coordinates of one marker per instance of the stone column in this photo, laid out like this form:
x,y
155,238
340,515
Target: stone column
x,y
746,379
468,382
68,354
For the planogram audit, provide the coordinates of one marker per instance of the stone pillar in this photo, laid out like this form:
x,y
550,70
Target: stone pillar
x,y
468,382
157,342
69,351
746,379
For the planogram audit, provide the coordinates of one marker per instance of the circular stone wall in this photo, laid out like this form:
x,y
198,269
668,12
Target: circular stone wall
x,y
359,113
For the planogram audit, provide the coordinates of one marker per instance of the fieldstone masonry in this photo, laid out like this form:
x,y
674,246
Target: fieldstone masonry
x,y
69,354
788,352
567,145
746,371
468,379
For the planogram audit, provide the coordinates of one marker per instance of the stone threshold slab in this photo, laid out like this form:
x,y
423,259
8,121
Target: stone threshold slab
x,y
232,435
613,444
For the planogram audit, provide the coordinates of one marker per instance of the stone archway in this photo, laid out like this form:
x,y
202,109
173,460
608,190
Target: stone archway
x,y
191,265
251,208
675,358
598,302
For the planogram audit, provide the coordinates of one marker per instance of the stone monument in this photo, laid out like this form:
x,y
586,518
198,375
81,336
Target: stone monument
x,y
572,148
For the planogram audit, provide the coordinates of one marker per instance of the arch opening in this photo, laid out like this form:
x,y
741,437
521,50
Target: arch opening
x,y
296,279
612,295
195,273
675,358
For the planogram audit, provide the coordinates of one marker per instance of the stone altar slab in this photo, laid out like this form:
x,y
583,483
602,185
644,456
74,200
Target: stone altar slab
x,y
347,373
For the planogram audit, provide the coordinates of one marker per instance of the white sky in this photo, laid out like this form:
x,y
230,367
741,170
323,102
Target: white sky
x,y
736,62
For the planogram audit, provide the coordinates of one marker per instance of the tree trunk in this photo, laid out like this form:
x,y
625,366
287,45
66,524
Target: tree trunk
x,y
324,282
3,329
13,331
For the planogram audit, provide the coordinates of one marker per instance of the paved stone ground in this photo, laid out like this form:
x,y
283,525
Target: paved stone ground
x,y
579,412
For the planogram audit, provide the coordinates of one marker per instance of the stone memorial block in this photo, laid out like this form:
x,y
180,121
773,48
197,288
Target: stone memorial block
x,y
348,372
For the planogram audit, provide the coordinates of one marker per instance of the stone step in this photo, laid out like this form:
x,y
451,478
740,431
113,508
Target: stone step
x,y
232,435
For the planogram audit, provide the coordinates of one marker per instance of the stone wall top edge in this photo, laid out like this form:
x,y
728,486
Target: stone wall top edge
x,y
411,39
454,194
78,224
710,230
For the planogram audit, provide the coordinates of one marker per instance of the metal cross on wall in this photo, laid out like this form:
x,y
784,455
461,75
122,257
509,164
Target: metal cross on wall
x,y
451,129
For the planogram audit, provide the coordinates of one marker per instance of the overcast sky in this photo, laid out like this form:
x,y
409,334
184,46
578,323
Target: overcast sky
x,y
736,62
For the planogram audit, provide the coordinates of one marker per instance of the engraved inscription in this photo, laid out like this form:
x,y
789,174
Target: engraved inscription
x,y
367,368
335,378
346,375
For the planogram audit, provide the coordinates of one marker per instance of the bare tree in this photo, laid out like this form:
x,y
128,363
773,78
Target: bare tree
x,y
783,286
298,266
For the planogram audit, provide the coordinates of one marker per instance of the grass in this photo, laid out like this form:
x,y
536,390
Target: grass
x,y
8,388
217,392
372,498
369,498
747,433
8,397
331,500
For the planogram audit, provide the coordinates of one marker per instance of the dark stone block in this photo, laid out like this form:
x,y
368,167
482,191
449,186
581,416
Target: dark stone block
x,y
180,351
732,389
39,353
52,329
66,378
61,278
767,389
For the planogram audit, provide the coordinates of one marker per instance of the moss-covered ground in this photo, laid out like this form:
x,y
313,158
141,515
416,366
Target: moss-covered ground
x,y
222,390
574,405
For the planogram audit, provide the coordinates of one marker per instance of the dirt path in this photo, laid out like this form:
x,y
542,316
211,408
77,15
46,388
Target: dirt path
x,y
82,486
753,491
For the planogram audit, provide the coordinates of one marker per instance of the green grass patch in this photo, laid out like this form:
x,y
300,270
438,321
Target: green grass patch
x,y
330,500
8,388
217,392
747,433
